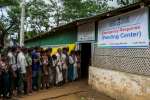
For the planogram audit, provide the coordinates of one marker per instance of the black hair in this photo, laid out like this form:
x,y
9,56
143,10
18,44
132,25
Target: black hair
x,y
13,49
64,49
72,52
54,57
49,49
77,52
67,49
58,49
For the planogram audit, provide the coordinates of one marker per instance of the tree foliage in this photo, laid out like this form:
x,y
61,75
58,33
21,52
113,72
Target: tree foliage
x,y
5,22
55,10
74,9
37,18
41,16
126,2
4,3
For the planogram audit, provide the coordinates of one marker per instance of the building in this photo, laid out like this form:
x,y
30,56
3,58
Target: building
x,y
117,45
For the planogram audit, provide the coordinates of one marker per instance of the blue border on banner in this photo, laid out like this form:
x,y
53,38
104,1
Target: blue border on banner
x,y
123,46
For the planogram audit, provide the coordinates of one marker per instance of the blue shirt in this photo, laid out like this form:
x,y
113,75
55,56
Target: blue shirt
x,y
35,62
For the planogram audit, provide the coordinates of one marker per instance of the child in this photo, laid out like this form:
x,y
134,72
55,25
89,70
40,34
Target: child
x,y
6,85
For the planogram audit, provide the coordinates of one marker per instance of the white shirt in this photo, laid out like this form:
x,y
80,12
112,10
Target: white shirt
x,y
64,61
21,62
73,61
58,59
12,61
11,58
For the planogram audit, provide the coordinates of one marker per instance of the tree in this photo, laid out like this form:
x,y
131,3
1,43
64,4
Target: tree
x,y
4,3
55,9
36,18
72,10
75,9
92,7
37,15
42,16
4,20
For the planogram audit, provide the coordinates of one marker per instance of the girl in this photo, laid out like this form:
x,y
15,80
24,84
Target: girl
x,y
6,86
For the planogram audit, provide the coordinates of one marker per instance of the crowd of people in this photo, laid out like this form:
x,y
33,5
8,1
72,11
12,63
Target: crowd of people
x,y
23,70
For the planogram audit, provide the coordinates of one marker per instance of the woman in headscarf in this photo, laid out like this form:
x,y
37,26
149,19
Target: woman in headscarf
x,y
59,75
45,70
71,66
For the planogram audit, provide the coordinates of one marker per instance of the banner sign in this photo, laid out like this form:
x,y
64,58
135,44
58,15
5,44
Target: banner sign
x,y
128,30
86,32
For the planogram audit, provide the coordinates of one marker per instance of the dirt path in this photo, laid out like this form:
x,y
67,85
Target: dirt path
x,y
71,91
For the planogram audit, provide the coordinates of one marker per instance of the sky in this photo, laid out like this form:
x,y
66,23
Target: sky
x,y
113,3
110,2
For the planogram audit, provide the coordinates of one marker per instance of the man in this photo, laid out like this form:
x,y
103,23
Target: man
x,y
36,70
12,63
22,64
50,65
65,58
29,70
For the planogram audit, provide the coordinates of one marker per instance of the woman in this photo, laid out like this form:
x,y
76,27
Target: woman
x,y
59,75
54,61
29,71
78,64
45,70
71,66
75,72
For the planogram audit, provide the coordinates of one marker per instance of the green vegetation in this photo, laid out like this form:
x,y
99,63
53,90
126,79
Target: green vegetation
x,y
41,16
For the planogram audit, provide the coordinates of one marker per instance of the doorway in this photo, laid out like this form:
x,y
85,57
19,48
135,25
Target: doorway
x,y
85,59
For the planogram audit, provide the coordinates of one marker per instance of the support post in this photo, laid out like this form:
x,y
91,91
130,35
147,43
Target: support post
x,y
22,23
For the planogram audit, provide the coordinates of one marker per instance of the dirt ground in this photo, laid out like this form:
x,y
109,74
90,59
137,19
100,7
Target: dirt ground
x,y
78,90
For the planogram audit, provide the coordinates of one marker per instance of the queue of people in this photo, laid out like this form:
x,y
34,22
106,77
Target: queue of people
x,y
23,70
